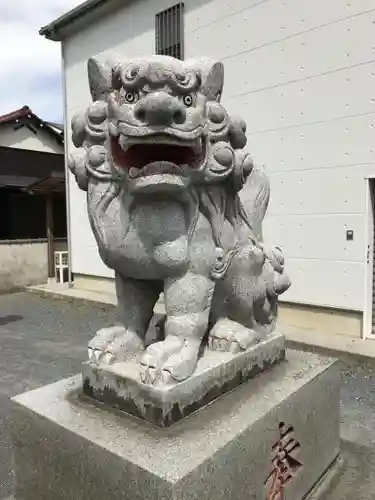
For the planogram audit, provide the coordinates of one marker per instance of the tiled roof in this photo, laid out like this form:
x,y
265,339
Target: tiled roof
x,y
15,115
25,113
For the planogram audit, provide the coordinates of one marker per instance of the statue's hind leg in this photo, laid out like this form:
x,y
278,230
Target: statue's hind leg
x,y
237,322
136,301
228,335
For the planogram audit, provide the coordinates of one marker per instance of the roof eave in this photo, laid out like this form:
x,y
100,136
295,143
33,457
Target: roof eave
x,y
51,30
54,182
79,17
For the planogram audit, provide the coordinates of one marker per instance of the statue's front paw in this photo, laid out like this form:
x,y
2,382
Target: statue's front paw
x,y
169,361
114,344
227,335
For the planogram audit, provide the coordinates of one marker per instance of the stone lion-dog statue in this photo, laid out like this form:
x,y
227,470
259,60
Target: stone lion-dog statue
x,y
163,163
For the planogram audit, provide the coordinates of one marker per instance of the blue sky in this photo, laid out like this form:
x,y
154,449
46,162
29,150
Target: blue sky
x,y
30,65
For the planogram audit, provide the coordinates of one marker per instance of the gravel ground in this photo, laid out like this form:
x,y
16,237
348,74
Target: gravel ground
x,y
44,339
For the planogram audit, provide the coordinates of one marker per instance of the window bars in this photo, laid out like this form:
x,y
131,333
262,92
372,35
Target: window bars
x,y
169,31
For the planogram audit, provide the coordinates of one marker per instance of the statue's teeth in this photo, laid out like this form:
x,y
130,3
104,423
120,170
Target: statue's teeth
x,y
150,169
133,172
198,147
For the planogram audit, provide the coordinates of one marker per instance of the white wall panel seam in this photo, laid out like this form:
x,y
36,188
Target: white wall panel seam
x,y
289,37
323,304
234,13
312,259
257,4
323,167
307,124
306,215
298,80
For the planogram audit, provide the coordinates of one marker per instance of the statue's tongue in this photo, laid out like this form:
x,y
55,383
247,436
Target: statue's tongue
x,y
156,167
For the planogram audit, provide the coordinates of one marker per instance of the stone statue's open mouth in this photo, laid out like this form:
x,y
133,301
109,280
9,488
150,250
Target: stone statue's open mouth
x,y
156,157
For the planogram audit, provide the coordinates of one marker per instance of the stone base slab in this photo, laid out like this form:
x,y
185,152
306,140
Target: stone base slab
x,y
119,385
329,481
65,448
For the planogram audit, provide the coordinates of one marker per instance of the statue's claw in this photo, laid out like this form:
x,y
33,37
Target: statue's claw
x,y
114,344
234,348
107,358
225,345
166,378
94,355
182,365
103,337
169,361
230,336
157,354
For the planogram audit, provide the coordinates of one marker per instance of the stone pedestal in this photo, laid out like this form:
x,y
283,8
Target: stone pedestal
x,y
119,385
66,448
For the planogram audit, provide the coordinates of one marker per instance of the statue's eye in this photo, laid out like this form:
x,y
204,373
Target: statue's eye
x,y
188,100
131,97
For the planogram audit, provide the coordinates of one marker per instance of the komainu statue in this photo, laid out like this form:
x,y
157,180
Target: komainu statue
x,y
163,163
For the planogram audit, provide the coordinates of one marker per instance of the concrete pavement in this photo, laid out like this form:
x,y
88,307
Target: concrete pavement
x,y
300,336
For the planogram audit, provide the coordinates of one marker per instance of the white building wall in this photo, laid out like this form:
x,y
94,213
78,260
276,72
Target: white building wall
x,y
23,138
302,74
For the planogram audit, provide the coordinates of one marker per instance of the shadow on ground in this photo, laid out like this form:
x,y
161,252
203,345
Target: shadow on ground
x,y
44,339
4,320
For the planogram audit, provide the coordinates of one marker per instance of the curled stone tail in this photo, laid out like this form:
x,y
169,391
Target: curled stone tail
x,y
256,199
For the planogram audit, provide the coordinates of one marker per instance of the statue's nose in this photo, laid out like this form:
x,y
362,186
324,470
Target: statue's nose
x,y
160,108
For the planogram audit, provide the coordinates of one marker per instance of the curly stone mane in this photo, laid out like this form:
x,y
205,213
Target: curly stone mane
x,y
218,202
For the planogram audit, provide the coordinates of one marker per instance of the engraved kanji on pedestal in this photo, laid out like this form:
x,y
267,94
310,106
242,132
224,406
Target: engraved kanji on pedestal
x,y
285,465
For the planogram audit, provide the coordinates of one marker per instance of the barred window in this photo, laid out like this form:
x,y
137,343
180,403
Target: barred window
x,y
169,31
